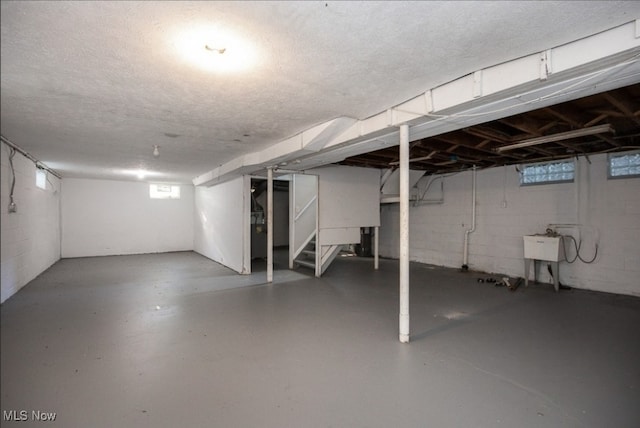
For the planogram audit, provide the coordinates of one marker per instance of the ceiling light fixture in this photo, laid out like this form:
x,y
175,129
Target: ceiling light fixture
x,y
215,49
156,151
212,49
600,129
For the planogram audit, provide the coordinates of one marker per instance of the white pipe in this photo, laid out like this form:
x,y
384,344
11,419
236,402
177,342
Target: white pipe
x,y
270,225
28,155
420,200
385,177
581,177
317,231
404,233
465,258
376,244
292,228
429,156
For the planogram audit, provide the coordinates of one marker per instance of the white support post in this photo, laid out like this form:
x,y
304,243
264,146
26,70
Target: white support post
x,y
404,233
376,263
269,225
318,241
292,218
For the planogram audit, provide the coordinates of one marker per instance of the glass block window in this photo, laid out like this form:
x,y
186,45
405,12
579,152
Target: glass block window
x,y
548,172
624,165
164,191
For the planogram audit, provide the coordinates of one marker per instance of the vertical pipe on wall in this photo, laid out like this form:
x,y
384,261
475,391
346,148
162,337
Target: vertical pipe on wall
x,y
376,244
292,218
318,241
269,225
465,257
246,229
404,233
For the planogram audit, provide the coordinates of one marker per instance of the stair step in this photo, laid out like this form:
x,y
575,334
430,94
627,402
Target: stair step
x,y
309,252
306,264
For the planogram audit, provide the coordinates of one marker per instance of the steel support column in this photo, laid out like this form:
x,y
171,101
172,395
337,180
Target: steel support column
x,y
269,225
376,243
404,233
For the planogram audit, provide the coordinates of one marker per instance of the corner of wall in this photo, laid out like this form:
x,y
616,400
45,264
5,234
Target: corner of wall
x,y
31,236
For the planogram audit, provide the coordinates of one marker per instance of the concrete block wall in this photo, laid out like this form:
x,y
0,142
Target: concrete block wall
x,y
105,217
602,210
31,236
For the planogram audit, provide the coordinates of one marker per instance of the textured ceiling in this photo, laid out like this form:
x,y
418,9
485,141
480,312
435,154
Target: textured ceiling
x,y
90,87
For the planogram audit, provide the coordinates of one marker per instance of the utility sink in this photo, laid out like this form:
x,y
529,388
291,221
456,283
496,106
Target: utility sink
x,y
542,247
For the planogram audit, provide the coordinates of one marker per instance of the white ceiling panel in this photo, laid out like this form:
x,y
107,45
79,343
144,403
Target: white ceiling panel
x,y
90,87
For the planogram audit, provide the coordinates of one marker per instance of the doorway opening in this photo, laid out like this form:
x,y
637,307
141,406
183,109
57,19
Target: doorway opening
x,y
258,224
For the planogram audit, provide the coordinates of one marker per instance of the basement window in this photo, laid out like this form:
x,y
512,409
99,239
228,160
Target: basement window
x,y
41,179
164,191
548,172
624,165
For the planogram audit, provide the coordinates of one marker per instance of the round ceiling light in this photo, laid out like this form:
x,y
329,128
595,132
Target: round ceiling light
x,y
215,49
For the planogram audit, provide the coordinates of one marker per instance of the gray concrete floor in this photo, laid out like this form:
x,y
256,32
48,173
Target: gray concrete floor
x,y
171,340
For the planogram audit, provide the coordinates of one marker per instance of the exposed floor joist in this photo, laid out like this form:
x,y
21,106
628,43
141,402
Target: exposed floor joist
x,y
476,145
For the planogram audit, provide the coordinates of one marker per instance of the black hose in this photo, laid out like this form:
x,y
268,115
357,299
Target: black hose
x,y
577,247
12,153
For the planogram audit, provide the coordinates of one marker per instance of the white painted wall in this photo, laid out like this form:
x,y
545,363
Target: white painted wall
x,y
102,217
349,199
607,210
31,236
222,223
349,196
303,207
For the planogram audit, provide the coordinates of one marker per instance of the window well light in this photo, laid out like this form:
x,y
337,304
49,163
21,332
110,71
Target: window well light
x,y
164,191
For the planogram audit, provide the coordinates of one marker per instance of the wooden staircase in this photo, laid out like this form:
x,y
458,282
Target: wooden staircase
x,y
318,262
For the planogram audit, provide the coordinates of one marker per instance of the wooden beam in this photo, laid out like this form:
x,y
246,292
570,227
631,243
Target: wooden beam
x,y
565,116
467,143
486,133
622,106
595,120
574,122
